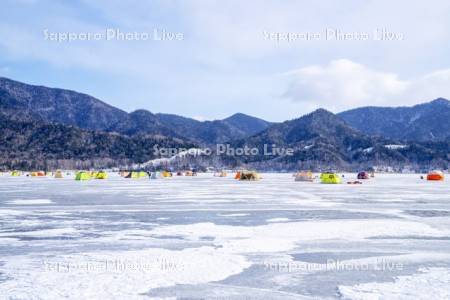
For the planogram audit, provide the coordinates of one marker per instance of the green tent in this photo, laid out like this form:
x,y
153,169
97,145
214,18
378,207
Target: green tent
x,y
331,178
82,176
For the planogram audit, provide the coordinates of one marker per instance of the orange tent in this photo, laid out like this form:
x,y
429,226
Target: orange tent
x,y
38,174
435,175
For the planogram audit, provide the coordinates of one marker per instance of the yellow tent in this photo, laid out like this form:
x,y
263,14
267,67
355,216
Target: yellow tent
x,y
330,178
101,175
166,174
136,175
15,173
58,174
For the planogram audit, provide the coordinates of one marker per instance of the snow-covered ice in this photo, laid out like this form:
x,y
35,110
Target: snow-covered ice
x,y
29,201
208,237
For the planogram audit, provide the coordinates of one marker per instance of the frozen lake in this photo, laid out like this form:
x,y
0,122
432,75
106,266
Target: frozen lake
x,y
216,238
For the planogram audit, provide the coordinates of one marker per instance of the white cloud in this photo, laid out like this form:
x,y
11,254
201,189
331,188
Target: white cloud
x,y
344,84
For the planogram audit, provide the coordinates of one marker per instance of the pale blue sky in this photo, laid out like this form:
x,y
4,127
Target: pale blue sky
x,y
224,63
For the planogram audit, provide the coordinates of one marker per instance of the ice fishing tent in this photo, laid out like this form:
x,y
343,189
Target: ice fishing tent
x,y
132,175
166,174
124,173
101,175
363,175
435,175
38,174
82,176
330,178
136,175
220,174
58,174
304,176
15,173
249,175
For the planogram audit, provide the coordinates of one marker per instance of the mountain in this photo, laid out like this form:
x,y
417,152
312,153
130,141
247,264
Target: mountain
x,y
142,122
44,127
423,122
247,124
22,101
56,105
218,131
322,140
37,145
320,135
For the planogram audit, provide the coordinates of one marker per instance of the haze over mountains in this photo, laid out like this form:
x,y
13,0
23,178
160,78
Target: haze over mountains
x,y
46,126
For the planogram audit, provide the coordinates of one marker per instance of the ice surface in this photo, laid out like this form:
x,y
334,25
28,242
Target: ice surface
x,y
208,237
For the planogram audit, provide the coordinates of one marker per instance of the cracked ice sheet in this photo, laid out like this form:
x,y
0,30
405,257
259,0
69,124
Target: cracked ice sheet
x,y
234,229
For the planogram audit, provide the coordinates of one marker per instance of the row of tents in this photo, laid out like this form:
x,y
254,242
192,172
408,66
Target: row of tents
x,y
327,177
306,176
57,174
143,174
88,175
333,178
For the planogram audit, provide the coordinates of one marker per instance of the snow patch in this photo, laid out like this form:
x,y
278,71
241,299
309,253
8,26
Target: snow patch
x,y
285,236
233,215
368,150
429,283
274,220
395,147
29,201
116,275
